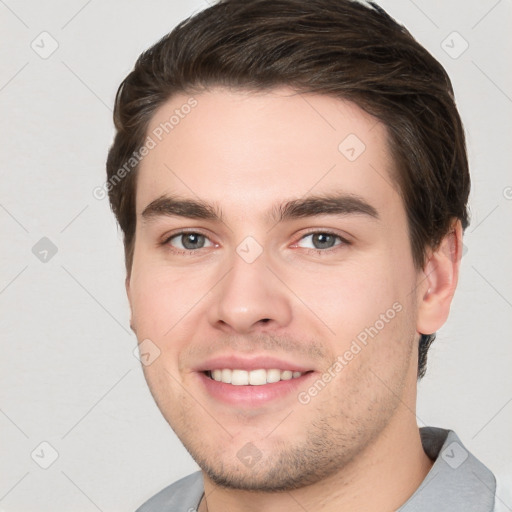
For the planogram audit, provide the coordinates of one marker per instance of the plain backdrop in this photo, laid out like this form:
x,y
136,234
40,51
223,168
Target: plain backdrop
x,y
68,375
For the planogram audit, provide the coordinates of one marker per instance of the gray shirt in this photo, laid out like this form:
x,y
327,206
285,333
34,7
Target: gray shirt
x,y
457,481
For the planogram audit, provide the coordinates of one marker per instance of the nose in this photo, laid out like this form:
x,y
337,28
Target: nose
x,y
250,298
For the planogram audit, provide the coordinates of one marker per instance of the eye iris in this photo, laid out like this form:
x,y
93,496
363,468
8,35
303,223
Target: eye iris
x,y
323,240
190,240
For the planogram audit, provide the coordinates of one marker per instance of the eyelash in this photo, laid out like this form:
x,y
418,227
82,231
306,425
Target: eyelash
x,y
322,252
191,252
180,252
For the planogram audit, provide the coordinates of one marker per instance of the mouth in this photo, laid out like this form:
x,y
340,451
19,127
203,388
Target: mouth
x,y
252,383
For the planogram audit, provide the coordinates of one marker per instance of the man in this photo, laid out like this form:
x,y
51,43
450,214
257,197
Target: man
x,y
291,180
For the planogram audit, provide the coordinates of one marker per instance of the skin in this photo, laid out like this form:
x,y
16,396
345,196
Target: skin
x,y
356,444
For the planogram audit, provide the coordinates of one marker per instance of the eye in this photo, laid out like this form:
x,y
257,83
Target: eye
x,y
321,240
189,241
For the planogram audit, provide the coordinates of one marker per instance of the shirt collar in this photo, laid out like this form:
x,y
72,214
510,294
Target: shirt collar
x,y
456,481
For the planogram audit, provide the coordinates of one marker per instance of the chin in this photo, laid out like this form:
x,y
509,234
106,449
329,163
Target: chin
x,y
278,470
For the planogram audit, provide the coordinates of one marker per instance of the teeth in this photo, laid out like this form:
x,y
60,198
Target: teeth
x,y
239,378
273,376
226,375
253,377
257,377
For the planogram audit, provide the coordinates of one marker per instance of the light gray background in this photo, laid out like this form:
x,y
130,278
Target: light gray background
x,y
68,374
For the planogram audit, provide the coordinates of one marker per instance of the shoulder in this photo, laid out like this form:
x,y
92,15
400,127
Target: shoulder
x,y
181,496
457,479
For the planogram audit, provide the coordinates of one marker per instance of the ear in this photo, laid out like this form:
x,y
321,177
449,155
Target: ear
x,y
438,281
128,294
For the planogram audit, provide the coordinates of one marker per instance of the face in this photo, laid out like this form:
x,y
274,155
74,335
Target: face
x,y
273,275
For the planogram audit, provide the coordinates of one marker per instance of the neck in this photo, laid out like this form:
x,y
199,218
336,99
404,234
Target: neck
x,y
382,478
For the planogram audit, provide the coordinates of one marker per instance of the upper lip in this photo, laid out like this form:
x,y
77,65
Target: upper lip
x,y
250,363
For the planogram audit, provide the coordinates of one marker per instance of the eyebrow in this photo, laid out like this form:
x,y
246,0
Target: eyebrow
x,y
327,204
330,204
174,206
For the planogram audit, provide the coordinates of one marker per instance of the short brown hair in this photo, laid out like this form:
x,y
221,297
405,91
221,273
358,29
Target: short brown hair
x,y
342,48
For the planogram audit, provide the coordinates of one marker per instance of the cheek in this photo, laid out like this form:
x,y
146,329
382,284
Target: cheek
x,y
352,297
370,311
372,359
162,299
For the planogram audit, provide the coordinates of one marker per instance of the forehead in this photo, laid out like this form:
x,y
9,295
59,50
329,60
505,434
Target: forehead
x,y
245,151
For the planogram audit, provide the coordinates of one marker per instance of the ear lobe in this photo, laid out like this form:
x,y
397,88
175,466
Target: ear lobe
x,y
438,281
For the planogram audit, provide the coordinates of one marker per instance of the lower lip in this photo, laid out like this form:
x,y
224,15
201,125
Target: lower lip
x,y
253,396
